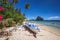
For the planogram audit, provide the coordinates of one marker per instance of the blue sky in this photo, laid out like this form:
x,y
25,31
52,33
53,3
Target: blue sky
x,y
47,9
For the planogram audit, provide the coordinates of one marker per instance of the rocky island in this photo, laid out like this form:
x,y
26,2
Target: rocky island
x,y
39,18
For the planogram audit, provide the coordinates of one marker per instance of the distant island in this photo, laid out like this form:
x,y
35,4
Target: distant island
x,y
39,18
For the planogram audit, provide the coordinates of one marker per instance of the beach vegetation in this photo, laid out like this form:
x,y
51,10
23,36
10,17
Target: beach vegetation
x,y
9,15
27,6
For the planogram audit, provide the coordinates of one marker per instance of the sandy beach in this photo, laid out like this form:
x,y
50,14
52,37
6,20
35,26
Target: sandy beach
x,y
44,34
49,29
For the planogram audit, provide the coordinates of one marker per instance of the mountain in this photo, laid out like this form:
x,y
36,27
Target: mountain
x,y
39,18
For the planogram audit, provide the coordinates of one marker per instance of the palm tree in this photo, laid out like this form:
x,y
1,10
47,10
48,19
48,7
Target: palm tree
x,y
27,6
16,10
24,14
20,11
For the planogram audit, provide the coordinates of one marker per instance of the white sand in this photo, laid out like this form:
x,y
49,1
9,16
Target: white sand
x,y
20,34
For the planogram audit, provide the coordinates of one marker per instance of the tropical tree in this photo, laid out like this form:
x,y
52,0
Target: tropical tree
x,y
10,14
27,6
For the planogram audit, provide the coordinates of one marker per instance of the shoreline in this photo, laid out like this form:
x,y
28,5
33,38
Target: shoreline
x,y
21,34
49,29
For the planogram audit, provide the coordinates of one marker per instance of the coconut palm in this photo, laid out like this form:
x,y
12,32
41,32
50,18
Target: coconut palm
x,y
19,11
10,12
24,14
27,6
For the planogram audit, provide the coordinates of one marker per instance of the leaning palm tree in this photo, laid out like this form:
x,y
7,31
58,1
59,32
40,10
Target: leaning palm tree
x,y
16,10
27,6
19,11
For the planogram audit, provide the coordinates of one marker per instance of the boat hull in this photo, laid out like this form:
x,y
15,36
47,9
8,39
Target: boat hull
x,y
34,30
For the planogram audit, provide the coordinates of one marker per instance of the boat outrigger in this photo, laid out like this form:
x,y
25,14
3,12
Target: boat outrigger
x,y
32,27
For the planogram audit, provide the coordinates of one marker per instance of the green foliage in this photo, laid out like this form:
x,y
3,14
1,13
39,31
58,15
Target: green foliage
x,y
11,16
27,6
18,18
9,22
8,14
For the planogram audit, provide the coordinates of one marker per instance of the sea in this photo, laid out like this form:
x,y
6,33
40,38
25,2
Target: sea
x,y
50,23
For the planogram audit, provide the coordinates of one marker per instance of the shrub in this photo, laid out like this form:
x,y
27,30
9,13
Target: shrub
x,y
9,22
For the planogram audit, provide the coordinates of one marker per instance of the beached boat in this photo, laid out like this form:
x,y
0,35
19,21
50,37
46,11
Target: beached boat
x,y
33,27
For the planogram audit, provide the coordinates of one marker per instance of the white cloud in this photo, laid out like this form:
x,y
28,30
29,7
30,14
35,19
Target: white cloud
x,y
54,17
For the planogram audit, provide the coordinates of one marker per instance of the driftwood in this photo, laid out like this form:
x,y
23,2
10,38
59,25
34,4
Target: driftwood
x,y
29,30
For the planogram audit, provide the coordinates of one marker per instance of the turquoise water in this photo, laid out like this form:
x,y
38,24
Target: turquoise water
x,y
51,23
